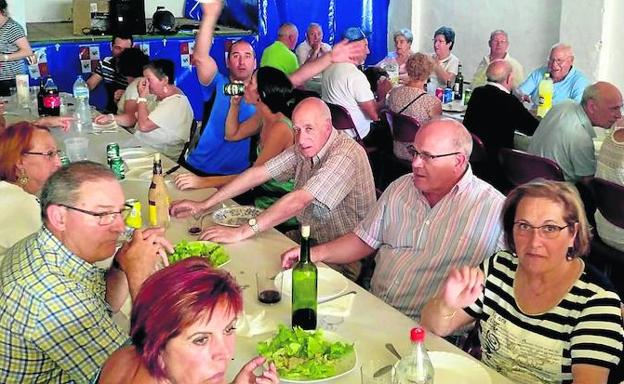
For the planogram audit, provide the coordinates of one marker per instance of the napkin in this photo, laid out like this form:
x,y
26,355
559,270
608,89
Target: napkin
x,y
255,324
340,307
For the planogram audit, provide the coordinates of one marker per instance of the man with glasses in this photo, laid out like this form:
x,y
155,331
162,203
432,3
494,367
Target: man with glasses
x,y
569,82
425,223
565,135
55,321
499,45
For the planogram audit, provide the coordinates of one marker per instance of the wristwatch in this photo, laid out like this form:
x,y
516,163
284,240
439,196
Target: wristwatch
x,y
253,223
141,100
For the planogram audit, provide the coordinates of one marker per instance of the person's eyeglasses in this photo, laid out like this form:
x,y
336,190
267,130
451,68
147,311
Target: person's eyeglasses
x,y
50,154
559,62
426,157
104,218
548,231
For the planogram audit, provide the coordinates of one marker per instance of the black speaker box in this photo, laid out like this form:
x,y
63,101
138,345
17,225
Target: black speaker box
x,y
127,17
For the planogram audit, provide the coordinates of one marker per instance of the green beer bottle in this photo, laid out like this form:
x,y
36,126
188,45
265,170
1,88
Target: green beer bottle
x,y
304,286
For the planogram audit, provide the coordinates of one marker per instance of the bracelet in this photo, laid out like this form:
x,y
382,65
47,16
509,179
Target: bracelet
x,y
5,57
448,316
141,100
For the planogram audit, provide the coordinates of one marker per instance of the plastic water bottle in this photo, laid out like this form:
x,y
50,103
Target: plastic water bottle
x,y
80,89
82,115
415,368
545,92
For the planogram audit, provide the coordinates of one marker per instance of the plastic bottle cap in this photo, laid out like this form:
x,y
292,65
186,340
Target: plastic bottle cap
x,y
417,334
305,231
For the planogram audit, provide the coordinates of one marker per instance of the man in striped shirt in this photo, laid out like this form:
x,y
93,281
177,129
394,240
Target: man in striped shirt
x,y
425,223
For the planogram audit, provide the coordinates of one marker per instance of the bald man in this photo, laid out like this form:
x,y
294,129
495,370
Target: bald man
x,y
494,114
426,222
569,82
565,134
334,188
280,54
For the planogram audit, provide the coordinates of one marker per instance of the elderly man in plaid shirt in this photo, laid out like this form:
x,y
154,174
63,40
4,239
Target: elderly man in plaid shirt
x,y
55,320
334,186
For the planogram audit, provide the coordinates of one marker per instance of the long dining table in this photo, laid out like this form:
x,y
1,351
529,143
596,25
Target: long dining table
x,y
370,322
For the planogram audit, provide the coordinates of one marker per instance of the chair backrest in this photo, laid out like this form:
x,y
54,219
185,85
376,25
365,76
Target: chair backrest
x,y
609,200
478,149
403,127
341,119
521,167
191,143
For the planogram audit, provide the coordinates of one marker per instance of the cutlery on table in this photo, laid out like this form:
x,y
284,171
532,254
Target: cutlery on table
x,y
387,368
173,169
390,347
332,298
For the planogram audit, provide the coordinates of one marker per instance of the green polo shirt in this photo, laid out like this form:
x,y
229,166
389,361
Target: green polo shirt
x,y
277,55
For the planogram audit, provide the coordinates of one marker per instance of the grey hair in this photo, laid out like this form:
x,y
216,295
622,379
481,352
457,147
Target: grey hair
x,y
286,29
565,46
314,25
64,185
498,32
592,92
409,36
463,141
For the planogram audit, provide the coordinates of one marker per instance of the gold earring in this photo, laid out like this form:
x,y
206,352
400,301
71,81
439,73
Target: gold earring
x,y
22,179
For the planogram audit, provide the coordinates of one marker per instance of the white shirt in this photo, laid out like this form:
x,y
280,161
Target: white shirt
x,y
173,115
132,93
450,64
344,84
304,50
21,215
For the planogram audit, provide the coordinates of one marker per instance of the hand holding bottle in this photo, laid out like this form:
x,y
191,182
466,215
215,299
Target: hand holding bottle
x,y
462,287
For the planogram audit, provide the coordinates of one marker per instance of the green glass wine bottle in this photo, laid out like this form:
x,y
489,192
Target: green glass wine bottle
x,y
304,286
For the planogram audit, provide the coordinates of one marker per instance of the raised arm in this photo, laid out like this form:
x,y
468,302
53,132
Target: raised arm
x,y
341,52
234,130
206,66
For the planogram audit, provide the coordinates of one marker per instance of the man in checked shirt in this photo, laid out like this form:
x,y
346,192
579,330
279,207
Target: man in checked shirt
x,y
334,186
55,317
426,222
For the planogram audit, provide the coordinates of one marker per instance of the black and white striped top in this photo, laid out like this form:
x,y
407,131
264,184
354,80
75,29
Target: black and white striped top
x,y
10,32
584,328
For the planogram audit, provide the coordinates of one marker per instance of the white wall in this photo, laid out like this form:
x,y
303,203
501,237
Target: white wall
x,y
60,10
17,11
612,55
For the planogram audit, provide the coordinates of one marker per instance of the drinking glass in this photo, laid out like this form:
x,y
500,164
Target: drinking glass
x,y
77,148
269,285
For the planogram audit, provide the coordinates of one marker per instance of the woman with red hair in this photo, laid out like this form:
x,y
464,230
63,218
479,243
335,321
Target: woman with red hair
x,y
184,333
28,156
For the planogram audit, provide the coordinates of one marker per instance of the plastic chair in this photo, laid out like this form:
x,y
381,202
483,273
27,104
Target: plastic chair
x,y
403,129
341,120
521,167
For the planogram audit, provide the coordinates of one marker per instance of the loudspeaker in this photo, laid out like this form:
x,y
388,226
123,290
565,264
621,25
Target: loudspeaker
x,y
127,17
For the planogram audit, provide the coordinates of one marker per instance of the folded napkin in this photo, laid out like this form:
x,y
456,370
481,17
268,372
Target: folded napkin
x,y
340,307
255,324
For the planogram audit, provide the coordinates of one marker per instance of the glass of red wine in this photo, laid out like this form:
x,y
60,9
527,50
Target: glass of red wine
x,y
269,286
195,223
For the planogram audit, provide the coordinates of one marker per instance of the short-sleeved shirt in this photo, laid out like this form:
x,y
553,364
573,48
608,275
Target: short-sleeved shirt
x,y
21,215
173,115
610,166
214,154
304,50
341,181
113,80
565,136
55,324
344,84
584,328
480,77
450,64
571,87
132,93
418,244
10,32
278,55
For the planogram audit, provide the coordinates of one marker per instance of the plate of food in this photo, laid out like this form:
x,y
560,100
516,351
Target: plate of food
x,y
330,283
454,106
308,356
453,368
215,253
235,216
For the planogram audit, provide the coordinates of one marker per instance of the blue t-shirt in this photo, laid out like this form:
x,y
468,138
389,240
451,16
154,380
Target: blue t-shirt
x,y
213,153
571,87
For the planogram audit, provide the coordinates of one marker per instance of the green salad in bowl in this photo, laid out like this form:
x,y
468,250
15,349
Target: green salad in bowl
x,y
308,356
215,253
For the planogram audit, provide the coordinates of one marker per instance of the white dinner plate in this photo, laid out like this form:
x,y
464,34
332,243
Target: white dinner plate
x,y
235,216
343,367
330,283
135,153
457,369
111,125
454,107
139,173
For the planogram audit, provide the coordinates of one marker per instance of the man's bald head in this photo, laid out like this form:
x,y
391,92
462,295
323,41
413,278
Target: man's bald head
x,y
499,71
288,34
602,103
444,129
313,125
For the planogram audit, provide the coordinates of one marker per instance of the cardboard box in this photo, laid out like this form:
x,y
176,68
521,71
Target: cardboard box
x,y
89,14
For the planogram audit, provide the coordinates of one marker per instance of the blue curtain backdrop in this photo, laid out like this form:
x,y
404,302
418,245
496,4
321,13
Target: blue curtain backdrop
x,y
334,15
